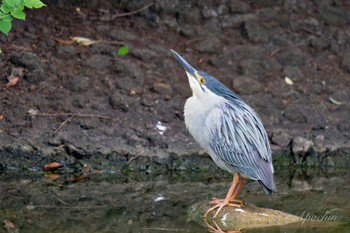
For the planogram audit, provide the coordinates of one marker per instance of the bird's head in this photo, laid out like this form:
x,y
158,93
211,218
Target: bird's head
x,y
197,79
203,84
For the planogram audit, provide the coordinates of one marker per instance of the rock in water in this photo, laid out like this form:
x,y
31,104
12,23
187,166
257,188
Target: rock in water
x,y
247,217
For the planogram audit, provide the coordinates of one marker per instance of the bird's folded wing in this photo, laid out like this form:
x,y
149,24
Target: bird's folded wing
x,y
240,139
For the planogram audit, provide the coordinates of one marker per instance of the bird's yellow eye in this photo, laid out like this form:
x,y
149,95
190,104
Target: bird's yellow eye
x,y
201,80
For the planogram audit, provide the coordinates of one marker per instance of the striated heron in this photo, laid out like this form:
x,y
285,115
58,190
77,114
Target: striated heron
x,y
230,131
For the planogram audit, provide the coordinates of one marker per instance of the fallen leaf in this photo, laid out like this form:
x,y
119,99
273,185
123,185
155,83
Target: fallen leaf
x,y
288,81
52,166
64,42
8,224
84,41
122,51
12,82
76,178
334,101
52,176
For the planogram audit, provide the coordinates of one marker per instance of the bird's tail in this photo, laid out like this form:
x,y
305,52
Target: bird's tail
x,y
269,189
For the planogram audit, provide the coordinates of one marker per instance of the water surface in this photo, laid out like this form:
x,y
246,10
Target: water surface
x,y
146,202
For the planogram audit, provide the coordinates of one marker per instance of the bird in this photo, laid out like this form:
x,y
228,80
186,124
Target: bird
x,y
230,131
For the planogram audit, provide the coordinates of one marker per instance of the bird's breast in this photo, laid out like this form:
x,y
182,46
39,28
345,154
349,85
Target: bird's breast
x,y
194,115
200,117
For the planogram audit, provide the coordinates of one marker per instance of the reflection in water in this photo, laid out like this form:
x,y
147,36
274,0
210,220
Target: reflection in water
x,y
215,228
141,202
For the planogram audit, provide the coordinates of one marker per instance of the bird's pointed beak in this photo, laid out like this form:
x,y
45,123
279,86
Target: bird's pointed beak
x,y
188,68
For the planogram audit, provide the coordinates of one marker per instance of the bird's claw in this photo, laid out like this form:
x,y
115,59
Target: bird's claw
x,y
217,201
219,204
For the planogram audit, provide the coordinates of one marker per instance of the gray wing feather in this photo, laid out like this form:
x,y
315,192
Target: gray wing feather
x,y
239,138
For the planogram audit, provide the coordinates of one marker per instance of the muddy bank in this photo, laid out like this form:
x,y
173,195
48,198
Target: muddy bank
x,y
131,107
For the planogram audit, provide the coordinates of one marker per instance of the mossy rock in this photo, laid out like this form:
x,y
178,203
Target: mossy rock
x,y
249,216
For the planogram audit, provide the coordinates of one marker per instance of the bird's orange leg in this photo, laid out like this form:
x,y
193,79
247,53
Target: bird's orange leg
x,y
236,192
237,189
220,203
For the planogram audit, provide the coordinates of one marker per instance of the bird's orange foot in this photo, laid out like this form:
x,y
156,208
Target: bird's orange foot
x,y
219,204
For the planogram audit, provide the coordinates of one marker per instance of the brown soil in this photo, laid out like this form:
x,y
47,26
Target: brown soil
x,y
78,103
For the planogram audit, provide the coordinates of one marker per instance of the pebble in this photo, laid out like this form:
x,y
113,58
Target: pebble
x,y
32,62
209,45
122,35
118,102
238,6
164,90
28,60
294,114
66,51
77,84
247,85
291,57
143,54
253,30
293,72
209,13
301,145
98,61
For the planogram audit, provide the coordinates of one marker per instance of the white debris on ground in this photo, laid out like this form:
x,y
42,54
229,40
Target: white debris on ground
x,y
240,210
161,128
159,197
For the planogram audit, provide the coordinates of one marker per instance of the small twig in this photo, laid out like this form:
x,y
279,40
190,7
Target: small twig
x,y
60,200
310,31
71,114
346,32
39,160
274,52
13,46
63,123
135,157
132,12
